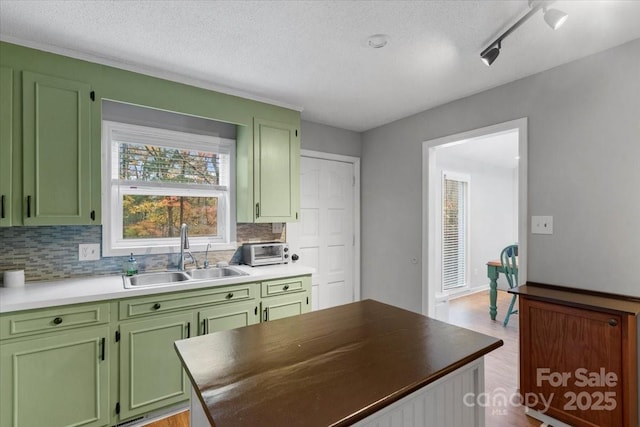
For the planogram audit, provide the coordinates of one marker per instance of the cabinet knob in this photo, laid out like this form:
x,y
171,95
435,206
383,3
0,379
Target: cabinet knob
x,y
230,295
613,322
156,306
285,287
57,320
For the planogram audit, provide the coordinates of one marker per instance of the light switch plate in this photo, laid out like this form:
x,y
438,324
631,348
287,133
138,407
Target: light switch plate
x,y
89,251
276,227
541,225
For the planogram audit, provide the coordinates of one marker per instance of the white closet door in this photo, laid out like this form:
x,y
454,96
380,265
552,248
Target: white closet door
x,y
324,237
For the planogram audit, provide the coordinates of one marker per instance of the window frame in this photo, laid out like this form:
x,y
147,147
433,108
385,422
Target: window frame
x,y
465,178
113,241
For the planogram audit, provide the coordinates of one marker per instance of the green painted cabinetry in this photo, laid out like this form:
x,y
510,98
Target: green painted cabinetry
x,y
267,162
268,172
55,362
285,297
227,317
55,379
56,146
6,141
151,375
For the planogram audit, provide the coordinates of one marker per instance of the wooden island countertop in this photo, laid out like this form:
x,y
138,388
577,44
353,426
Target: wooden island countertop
x,y
329,367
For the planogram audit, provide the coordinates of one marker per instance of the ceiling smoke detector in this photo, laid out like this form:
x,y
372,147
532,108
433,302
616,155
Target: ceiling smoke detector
x,y
378,41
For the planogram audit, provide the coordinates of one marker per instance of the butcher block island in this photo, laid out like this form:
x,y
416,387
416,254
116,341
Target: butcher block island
x,y
364,363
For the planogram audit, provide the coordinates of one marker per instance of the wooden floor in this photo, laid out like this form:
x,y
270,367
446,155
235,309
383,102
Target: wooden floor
x,y
501,365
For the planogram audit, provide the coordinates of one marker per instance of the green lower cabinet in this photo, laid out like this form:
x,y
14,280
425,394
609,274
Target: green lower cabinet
x,y
223,318
56,380
151,376
275,308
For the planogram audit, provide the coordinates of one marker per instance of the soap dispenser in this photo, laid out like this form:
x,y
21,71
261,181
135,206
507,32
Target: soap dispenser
x,y
131,266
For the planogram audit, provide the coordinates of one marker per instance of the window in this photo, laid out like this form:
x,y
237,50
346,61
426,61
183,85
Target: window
x,y
455,212
155,179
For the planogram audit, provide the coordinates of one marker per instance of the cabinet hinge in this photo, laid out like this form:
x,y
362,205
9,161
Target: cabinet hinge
x,y
118,408
117,336
92,95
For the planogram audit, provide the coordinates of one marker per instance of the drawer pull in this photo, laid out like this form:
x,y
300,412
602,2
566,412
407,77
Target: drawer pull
x,y
285,288
230,295
57,320
613,322
156,306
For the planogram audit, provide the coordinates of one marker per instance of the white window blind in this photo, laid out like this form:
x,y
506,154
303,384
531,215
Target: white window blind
x,y
454,231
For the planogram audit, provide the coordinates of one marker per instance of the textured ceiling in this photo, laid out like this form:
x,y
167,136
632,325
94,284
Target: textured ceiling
x,y
314,55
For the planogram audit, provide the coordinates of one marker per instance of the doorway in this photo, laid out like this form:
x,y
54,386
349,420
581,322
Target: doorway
x,y
327,237
474,204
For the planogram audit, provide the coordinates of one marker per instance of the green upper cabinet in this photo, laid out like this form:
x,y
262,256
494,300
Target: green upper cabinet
x,y
56,178
276,171
6,140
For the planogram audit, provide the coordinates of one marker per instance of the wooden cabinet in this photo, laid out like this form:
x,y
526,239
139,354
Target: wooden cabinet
x,y
579,352
151,376
55,377
285,297
56,146
268,168
6,146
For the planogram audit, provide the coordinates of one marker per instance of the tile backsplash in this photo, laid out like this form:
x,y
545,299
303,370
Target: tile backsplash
x,y
51,252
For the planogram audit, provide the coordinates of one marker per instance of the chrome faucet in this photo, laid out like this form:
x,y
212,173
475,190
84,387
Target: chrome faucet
x,y
184,244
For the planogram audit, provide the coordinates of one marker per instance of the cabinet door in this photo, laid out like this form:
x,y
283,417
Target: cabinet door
x,y
275,308
566,354
60,380
6,141
151,375
228,317
56,148
276,171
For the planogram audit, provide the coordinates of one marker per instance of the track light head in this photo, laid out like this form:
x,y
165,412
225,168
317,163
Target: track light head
x,y
554,18
490,55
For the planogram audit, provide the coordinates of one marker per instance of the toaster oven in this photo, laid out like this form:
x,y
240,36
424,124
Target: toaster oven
x,y
255,254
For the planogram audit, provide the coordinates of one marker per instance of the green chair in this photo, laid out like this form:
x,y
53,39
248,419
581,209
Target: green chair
x,y
509,261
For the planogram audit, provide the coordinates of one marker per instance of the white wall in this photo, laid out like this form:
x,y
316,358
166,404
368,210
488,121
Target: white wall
x,y
492,212
584,169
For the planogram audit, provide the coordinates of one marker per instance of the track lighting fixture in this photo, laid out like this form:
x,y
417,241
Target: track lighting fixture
x,y
553,17
491,54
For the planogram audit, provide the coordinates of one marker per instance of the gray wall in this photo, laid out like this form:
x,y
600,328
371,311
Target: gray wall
x,y
328,139
584,169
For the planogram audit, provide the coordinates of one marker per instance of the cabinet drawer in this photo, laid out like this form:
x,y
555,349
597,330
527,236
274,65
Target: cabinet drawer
x,y
52,319
282,286
136,307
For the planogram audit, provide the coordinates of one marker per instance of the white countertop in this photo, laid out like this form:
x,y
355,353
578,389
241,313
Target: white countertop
x,y
99,288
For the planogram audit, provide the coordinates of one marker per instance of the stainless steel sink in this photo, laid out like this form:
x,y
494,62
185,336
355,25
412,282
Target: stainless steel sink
x,y
163,278
155,279
215,273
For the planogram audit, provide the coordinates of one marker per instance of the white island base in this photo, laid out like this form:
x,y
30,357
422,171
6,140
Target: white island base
x,y
438,404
